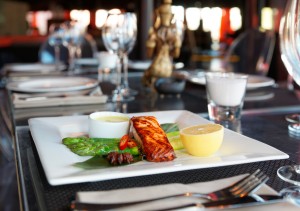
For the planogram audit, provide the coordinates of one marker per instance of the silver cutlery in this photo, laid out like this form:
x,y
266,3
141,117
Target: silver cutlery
x,y
241,188
237,202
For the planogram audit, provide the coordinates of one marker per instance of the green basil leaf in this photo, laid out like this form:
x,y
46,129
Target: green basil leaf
x,y
169,127
100,162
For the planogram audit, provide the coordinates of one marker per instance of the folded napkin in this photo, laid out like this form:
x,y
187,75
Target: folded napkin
x,y
25,113
47,100
143,193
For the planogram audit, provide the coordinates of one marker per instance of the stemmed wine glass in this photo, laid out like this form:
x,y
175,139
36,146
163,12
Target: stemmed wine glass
x,y
119,35
289,35
72,39
56,32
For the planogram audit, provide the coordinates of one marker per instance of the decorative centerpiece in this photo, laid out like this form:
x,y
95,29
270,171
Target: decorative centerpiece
x,y
163,44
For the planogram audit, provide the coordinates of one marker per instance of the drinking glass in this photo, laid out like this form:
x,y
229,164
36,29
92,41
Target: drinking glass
x,y
72,39
289,35
119,35
225,95
56,32
107,66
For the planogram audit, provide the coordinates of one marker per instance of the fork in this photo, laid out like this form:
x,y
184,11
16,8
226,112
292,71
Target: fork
x,y
241,188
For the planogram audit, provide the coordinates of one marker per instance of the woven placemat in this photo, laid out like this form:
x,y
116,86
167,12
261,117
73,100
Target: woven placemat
x,y
39,195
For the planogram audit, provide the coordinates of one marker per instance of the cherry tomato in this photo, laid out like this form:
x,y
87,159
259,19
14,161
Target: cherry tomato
x,y
123,142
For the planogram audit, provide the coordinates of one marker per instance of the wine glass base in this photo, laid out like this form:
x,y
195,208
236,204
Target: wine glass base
x,y
292,194
118,96
290,174
293,118
294,129
123,100
129,92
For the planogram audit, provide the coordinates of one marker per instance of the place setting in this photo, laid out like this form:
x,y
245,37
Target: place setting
x,y
84,148
32,69
85,152
55,91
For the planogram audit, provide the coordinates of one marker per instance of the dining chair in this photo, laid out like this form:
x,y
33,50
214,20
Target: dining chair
x,y
251,52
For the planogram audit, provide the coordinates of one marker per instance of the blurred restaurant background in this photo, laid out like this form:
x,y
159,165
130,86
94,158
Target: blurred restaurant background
x,y
211,26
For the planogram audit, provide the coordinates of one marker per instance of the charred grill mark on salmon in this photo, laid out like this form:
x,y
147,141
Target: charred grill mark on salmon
x,y
152,139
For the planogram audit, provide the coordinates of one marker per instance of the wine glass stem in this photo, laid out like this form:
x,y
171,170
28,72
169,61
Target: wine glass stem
x,y
78,52
119,72
72,51
125,70
117,95
57,56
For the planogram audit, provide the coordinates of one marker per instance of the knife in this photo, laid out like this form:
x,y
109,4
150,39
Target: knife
x,y
238,202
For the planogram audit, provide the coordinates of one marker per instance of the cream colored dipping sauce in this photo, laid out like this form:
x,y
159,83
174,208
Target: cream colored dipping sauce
x,y
112,118
108,124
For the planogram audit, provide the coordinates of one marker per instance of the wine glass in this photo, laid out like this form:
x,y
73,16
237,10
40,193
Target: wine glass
x,y
289,35
119,35
56,32
72,39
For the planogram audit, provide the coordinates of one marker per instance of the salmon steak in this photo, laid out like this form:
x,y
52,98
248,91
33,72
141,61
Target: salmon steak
x,y
152,139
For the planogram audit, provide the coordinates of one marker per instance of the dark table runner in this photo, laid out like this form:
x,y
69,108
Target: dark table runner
x,y
39,195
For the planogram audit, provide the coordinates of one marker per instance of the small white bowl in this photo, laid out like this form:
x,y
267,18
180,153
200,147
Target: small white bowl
x,y
108,124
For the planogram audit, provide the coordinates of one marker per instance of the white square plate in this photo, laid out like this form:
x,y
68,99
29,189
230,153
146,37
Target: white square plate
x,y
57,160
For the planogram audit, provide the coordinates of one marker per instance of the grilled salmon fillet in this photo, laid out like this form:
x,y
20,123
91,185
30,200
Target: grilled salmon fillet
x,y
152,139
